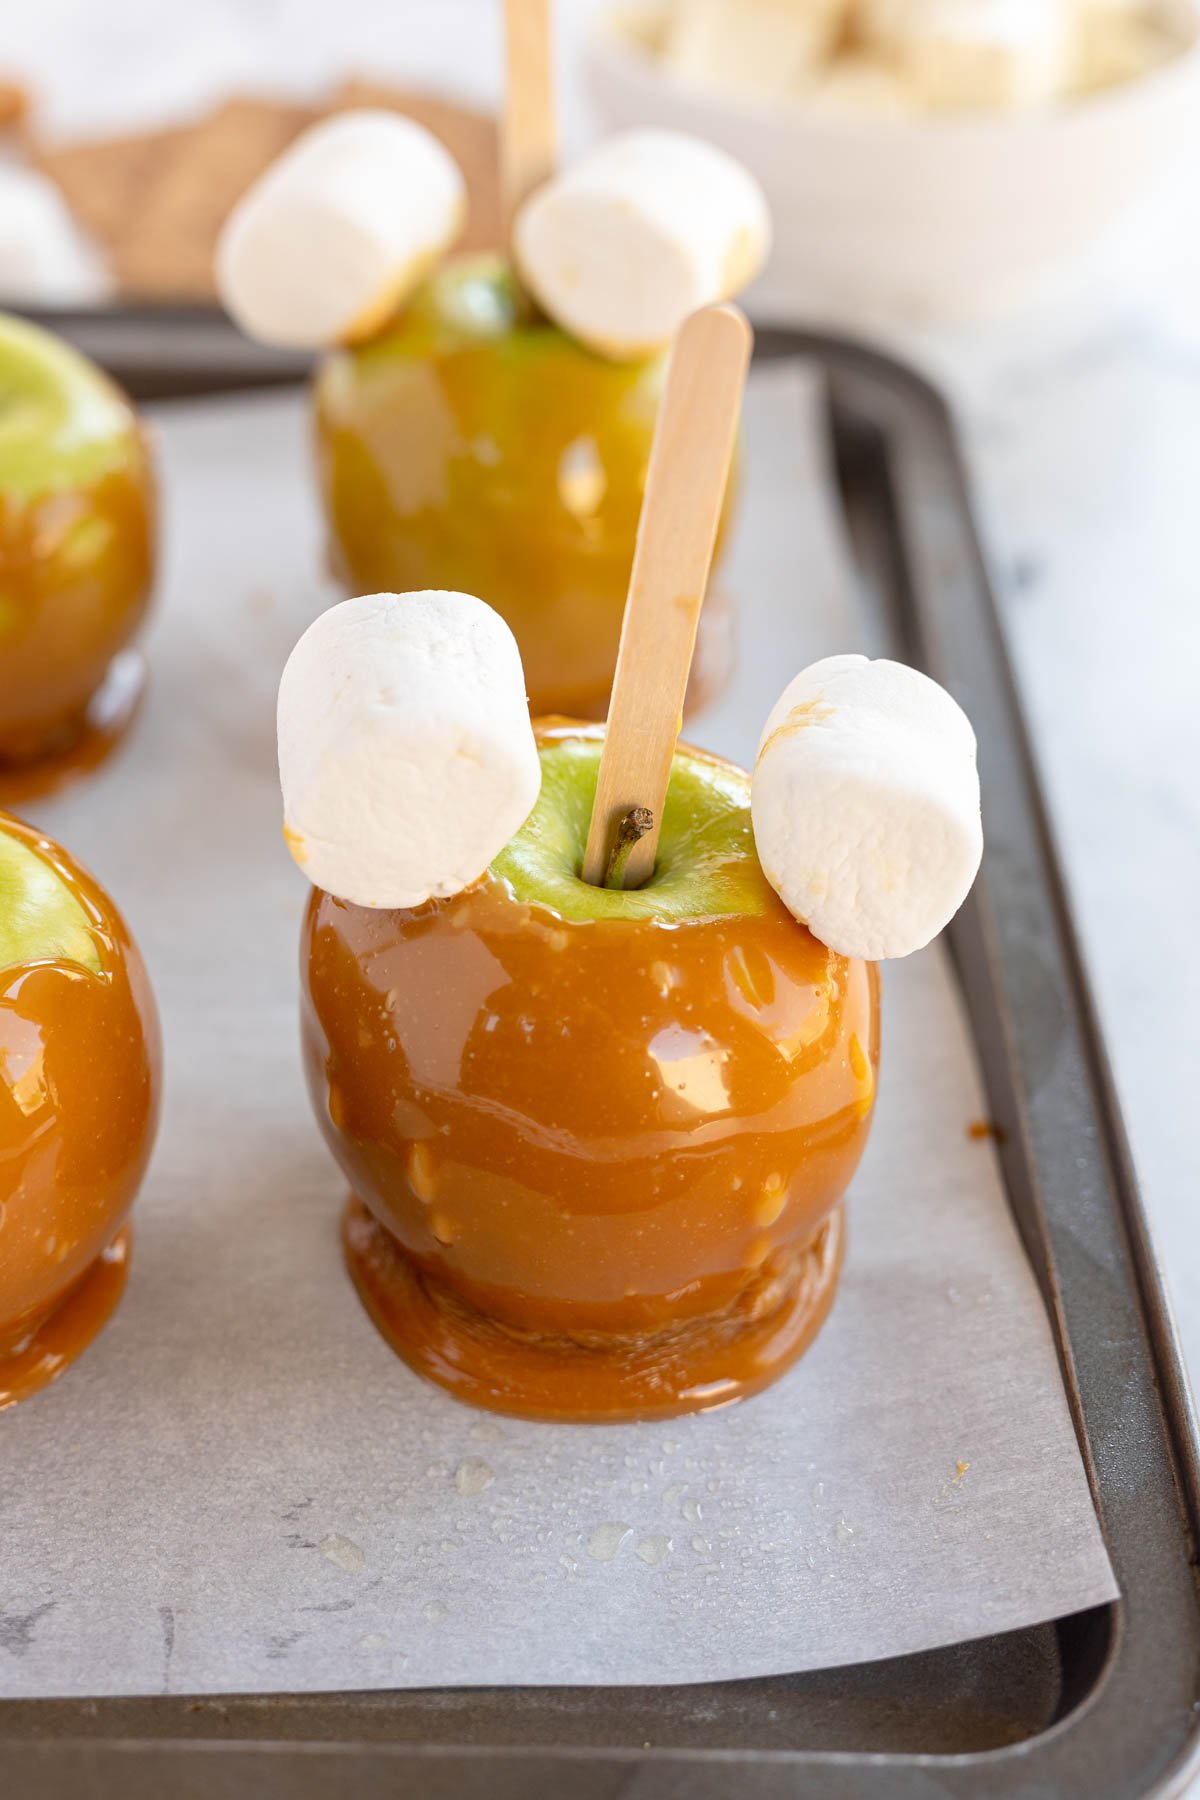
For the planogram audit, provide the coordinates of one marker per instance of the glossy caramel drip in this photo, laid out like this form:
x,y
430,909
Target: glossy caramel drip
x,y
46,1350
594,1149
79,1093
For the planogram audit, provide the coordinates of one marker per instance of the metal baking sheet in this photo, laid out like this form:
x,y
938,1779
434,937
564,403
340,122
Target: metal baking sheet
x,y
1100,1704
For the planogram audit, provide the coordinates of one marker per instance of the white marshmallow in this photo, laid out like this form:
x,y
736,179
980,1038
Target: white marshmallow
x,y
328,242
406,754
44,258
623,245
969,55
860,87
1115,41
752,46
866,806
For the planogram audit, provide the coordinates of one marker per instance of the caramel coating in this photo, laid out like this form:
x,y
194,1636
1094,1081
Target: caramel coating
x,y
596,1164
80,1062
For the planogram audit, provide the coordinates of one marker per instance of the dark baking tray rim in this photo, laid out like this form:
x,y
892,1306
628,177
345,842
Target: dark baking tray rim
x,y
1128,1723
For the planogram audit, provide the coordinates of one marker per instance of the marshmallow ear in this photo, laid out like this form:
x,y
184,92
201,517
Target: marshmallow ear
x,y
406,753
653,225
866,806
1116,40
327,244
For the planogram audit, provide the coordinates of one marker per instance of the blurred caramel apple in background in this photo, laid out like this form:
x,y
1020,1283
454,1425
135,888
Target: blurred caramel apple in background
x,y
474,445
77,539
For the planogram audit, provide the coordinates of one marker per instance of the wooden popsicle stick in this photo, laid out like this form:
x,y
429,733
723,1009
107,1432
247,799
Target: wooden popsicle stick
x,y
528,135
689,465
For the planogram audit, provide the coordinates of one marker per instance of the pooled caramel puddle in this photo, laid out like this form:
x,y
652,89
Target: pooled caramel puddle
x,y
85,744
76,569
697,1365
51,1347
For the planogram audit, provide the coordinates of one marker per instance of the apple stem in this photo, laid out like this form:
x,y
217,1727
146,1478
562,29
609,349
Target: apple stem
x,y
632,828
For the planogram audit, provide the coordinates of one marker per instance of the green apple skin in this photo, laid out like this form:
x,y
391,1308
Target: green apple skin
x,y
706,866
77,527
569,1114
41,920
476,447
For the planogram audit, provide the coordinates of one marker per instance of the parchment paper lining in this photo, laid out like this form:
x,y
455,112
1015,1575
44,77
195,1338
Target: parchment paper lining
x,y
240,1489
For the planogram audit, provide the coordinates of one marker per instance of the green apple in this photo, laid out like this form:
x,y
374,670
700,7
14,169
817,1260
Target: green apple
x,y
41,920
706,865
475,446
76,540
62,422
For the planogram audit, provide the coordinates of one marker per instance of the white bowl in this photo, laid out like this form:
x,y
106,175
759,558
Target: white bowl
x,y
928,219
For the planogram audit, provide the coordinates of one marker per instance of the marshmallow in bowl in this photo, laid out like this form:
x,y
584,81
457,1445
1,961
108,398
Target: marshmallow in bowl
x,y
860,87
963,55
622,246
865,803
752,46
1115,41
327,243
406,754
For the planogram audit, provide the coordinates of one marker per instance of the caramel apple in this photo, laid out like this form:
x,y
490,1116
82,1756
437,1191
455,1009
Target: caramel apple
x,y
599,1102
598,1106
597,1139
475,446
79,1093
76,559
